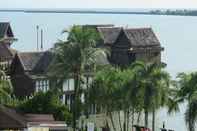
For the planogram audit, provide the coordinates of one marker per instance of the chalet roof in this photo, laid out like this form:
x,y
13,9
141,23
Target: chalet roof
x,y
5,52
137,36
39,117
141,37
5,28
99,25
109,34
35,61
12,119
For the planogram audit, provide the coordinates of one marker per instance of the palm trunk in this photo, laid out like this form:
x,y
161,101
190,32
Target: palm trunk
x,y
146,118
138,117
153,120
132,120
76,85
127,121
112,121
119,121
124,124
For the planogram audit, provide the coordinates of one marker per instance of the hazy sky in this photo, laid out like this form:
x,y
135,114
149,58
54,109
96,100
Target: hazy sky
x,y
98,4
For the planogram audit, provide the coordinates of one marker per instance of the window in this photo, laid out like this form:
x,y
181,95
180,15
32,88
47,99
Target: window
x,y
66,85
42,85
71,84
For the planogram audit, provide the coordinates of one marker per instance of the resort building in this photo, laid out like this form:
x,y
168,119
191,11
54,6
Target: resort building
x,y
29,70
130,44
126,45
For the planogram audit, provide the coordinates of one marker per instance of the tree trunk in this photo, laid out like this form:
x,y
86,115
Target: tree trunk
x,y
146,118
76,85
119,120
127,121
112,121
138,117
153,120
124,124
132,120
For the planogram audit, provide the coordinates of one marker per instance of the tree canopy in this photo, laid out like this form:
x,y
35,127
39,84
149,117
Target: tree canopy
x,y
46,103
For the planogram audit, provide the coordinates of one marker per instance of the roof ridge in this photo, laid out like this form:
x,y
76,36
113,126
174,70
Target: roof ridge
x,y
7,111
18,54
140,28
32,52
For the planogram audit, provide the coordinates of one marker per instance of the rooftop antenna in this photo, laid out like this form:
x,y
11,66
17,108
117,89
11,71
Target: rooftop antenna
x,y
41,46
37,30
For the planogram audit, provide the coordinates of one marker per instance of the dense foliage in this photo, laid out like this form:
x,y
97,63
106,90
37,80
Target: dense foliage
x,y
5,88
46,103
141,87
187,92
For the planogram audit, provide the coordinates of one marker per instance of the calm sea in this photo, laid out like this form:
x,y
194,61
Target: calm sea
x,y
177,34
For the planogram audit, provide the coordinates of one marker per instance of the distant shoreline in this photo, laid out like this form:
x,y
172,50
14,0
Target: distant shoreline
x,y
151,12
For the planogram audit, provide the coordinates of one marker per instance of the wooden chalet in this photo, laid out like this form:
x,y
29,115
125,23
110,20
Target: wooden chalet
x,y
130,44
29,72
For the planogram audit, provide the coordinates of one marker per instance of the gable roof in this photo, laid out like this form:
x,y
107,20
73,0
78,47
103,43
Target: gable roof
x,y
13,119
142,37
35,61
5,29
137,36
109,34
10,118
5,52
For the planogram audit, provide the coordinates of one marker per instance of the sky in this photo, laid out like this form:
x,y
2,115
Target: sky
x,y
98,4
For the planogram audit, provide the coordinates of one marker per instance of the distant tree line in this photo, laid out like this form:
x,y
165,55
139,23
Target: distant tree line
x,y
183,12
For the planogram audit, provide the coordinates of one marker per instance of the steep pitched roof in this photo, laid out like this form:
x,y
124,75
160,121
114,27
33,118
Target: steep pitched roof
x,y
30,59
109,34
10,118
136,36
35,61
5,29
5,52
13,119
142,37
99,25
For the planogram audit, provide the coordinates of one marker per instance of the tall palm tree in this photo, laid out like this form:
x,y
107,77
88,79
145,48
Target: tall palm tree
x,y
154,85
74,57
107,93
187,92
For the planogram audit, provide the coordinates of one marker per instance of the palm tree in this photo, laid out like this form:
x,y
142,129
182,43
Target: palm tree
x,y
108,93
74,57
5,88
154,85
187,91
